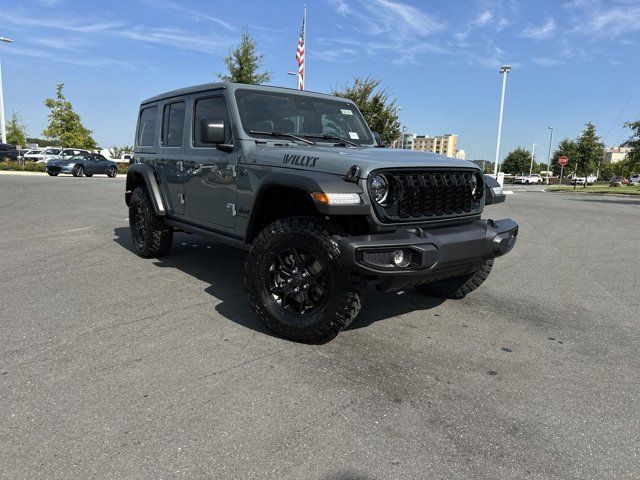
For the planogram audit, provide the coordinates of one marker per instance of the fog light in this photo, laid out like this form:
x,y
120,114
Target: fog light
x,y
400,259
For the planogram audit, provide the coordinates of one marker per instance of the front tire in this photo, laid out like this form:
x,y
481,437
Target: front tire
x,y
457,287
150,237
297,284
78,171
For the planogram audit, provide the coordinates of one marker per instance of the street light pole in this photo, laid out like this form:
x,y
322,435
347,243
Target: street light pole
x,y
533,157
3,129
395,111
503,70
549,156
404,129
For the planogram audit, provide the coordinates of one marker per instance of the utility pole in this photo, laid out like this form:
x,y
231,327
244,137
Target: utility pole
x,y
3,128
549,156
503,70
533,157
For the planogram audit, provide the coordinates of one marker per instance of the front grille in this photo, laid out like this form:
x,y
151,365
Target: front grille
x,y
428,194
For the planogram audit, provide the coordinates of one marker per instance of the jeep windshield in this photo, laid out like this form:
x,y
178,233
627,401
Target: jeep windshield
x,y
288,114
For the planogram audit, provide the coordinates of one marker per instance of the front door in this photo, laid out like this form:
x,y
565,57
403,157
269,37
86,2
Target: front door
x,y
210,173
170,163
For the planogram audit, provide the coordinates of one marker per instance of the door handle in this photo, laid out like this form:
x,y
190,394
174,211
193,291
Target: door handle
x,y
193,167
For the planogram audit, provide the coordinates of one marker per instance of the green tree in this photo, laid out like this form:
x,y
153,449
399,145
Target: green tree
x,y
65,126
607,171
486,165
567,148
376,105
590,151
518,161
16,131
632,160
117,152
243,63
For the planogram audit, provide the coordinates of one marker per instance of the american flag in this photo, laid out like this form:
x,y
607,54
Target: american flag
x,y
300,52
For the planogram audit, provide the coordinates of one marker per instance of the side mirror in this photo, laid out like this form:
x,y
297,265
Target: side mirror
x,y
378,139
212,131
493,191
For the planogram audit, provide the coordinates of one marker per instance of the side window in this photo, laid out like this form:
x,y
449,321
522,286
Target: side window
x,y
206,109
147,126
173,124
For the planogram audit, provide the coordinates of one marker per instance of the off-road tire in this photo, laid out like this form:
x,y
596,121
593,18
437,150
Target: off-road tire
x,y
156,238
457,287
78,171
346,289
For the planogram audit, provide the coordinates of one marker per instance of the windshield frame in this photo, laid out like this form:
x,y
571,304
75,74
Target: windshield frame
x,y
364,141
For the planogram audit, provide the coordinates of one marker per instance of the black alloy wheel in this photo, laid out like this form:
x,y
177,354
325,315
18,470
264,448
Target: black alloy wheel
x,y
298,281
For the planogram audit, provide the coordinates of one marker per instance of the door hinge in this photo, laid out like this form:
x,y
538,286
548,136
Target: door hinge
x,y
231,208
232,169
181,198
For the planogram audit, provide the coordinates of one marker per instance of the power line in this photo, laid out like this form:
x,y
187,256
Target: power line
x,y
633,94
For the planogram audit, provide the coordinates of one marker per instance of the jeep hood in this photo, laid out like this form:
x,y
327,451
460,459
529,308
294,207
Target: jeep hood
x,y
338,160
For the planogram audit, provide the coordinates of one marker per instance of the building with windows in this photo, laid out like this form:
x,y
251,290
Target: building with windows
x,y
443,144
615,154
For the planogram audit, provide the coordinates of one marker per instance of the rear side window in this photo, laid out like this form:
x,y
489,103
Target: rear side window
x,y
147,127
207,109
173,124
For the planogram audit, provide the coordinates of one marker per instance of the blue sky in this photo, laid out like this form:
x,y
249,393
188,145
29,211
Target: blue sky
x,y
573,61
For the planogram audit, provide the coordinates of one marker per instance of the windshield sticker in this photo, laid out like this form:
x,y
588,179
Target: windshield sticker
x,y
300,160
354,136
346,112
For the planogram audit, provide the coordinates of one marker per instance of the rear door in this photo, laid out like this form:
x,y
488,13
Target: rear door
x,y
171,152
210,173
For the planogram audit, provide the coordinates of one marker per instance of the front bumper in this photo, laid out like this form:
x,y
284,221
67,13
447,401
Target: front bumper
x,y
429,254
59,168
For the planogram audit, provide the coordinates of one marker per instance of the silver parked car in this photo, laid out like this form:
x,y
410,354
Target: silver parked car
x,y
86,164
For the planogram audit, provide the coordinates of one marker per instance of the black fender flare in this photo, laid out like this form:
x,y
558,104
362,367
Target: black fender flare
x,y
313,182
147,173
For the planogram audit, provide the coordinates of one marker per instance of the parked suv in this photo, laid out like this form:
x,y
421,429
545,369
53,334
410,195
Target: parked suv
x,y
296,178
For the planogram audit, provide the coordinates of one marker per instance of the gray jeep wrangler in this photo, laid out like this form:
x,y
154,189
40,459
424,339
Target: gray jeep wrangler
x,y
298,180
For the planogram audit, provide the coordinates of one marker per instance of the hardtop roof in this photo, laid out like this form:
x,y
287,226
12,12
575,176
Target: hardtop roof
x,y
232,86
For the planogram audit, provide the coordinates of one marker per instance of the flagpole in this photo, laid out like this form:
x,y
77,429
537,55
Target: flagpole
x,y
306,31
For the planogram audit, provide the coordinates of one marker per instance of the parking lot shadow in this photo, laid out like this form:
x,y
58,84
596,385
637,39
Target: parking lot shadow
x,y
222,269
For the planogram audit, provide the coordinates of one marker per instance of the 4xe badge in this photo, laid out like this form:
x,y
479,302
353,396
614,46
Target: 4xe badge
x,y
300,160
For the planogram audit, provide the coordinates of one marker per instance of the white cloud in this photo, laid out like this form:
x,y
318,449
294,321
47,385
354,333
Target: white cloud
x,y
483,19
547,62
196,15
541,32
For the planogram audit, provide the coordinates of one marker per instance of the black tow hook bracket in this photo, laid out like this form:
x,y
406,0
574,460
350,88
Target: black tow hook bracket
x,y
353,175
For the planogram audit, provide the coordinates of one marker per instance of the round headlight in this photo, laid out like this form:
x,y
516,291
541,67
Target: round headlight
x,y
473,183
476,183
379,188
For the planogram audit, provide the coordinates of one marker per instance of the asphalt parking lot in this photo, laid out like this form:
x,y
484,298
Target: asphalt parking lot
x,y
113,366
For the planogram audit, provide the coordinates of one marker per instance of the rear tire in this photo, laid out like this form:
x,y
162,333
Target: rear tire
x,y
112,172
150,237
297,284
457,287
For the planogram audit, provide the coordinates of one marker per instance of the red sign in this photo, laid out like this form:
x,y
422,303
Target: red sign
x,y
563,160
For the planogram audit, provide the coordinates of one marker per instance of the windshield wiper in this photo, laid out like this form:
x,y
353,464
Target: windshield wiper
x,y
328,136
283,134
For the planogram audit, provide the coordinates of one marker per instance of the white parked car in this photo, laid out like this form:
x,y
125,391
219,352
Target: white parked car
x,y
527,179
64,154
635,179
47,154
590,179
